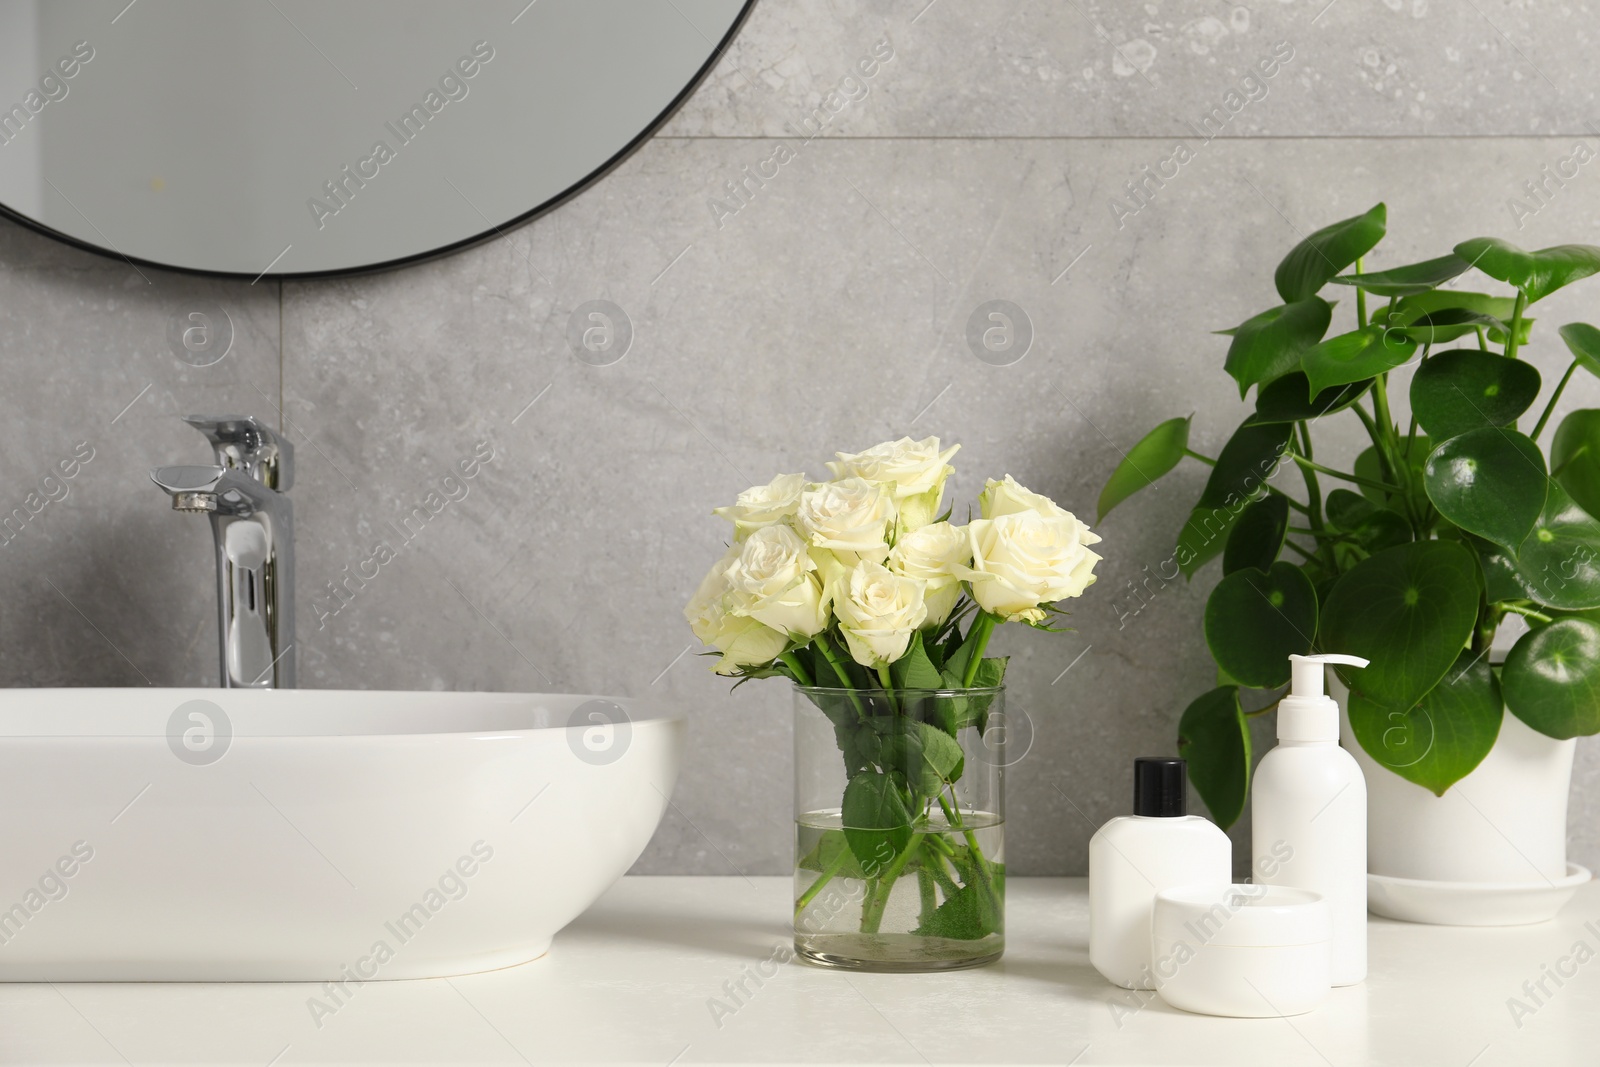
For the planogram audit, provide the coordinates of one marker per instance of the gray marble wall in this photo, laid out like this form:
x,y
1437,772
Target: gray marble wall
x,y
988,159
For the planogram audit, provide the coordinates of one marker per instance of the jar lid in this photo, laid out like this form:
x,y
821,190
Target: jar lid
x,y
1243,916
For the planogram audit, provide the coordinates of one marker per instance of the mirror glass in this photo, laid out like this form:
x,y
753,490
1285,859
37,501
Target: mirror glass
x,y
300,137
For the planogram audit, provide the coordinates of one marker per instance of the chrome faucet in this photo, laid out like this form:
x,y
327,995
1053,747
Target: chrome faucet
x,y
253,524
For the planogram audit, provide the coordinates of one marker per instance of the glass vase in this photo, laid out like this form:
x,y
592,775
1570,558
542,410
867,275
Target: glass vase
x,y
899,828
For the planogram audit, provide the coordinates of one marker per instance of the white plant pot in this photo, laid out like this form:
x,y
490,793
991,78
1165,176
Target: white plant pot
x,y
1505,823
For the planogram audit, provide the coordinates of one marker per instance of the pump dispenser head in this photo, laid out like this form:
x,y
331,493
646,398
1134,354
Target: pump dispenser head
x,y
1307,714
1160,787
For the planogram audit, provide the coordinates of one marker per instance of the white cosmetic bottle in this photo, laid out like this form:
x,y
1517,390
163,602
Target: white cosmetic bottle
x,y
1134,857
1308,814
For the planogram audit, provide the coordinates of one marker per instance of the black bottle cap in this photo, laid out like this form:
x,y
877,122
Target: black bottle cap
x,y
1160,787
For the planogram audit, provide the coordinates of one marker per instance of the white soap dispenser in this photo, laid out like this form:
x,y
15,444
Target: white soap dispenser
x,y
1134,857
1308,814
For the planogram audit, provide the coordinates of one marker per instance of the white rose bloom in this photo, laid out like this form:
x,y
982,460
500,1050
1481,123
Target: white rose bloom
x,y
773,581
914,471
1008,498
743,641
878,612
1023,559
851,517
763,505
931,554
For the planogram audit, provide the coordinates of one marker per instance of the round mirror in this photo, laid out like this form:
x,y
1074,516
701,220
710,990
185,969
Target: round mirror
x,y
297,137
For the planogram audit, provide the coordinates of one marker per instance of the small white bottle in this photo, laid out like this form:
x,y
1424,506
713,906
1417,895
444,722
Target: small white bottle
x,y
1134,857
1308,814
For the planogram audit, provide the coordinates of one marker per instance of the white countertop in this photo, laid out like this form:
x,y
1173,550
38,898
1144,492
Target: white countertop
x,y
633,981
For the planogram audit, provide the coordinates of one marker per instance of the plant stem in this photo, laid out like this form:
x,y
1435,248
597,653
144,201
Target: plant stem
x,y
925,888
1304,554
1512,343
1537,616
888,687
1207,460
1293,503
1550,408
1483,342
816,887
792,661
1305,463
1361,299
878,895
953,816
826,648
983,626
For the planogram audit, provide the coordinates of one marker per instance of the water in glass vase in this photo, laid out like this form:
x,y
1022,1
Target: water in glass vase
x,y
928,897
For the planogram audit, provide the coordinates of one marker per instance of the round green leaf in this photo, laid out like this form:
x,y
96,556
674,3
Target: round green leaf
x,y
1284,400
1584,341
1537,274
1468,389
1575,457
1350,357
1410,279
1374,528
1156,453
1441,738
1408,609
1214,737
1256,619
1560,560
1449,324
1412,308
1552,678
1490,482
1268,345
1245,463
1315,260
1257,536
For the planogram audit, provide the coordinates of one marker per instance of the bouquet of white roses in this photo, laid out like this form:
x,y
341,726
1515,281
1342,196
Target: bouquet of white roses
x,y
880,609
860,582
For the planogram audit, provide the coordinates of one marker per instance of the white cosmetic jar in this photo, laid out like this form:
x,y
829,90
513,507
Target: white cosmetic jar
x,y
1246,951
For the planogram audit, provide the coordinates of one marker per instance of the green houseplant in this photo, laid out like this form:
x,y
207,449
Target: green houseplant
x,y
1411,557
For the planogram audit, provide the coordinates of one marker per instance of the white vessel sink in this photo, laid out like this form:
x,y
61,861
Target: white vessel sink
x,y
312,835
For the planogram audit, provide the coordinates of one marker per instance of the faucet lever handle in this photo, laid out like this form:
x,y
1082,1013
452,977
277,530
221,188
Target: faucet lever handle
x,y
245,443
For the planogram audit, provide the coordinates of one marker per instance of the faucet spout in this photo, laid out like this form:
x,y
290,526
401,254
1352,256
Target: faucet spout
x,y
252,523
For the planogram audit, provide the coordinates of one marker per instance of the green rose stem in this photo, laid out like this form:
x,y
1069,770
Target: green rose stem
x,y
816,887
928,892
878,895
826,648
978,638
792,661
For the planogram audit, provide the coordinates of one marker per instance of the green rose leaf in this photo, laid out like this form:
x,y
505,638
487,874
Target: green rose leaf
x,y
925,755
1575,457
969,914
1317,259
1268,345
1350,357
1537,274
915,670
1490,482
1468,389
1559,563
1214,737
876,821
1410,279
1256,619
1552,678
1410,610
1257,536
1249,458
1442,737
1584,342
1284,400
1156,453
